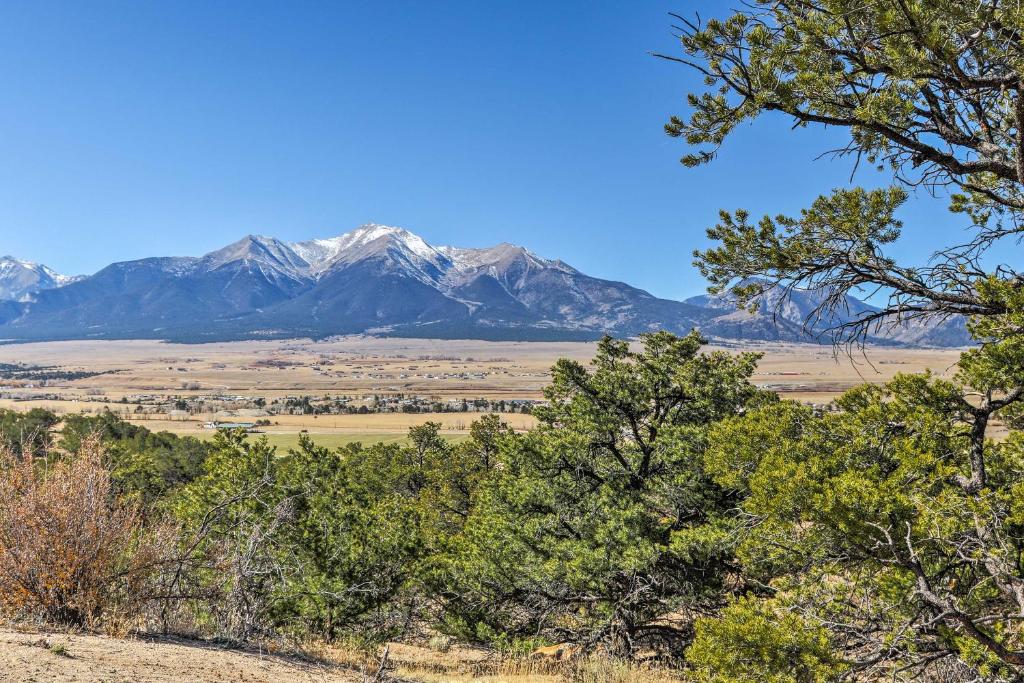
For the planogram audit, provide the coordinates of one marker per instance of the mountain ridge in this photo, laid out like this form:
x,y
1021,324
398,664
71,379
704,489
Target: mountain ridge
x,y
384,280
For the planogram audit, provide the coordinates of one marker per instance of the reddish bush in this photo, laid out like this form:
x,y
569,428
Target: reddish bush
x,y
70,552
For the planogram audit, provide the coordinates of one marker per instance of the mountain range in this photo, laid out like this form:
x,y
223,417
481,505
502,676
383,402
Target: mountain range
x,y
383,280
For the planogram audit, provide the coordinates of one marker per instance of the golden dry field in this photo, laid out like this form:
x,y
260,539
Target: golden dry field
x,y
140,377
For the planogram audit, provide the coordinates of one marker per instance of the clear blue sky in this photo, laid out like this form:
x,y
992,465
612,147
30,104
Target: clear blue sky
x,y
132,129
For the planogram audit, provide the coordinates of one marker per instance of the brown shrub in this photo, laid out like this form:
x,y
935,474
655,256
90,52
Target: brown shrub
x,y
70,552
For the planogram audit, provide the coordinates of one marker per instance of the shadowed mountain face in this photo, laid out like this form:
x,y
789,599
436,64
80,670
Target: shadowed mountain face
x,y
374,279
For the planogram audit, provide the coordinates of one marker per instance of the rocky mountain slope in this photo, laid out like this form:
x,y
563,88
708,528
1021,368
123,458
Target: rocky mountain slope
x,y
377,279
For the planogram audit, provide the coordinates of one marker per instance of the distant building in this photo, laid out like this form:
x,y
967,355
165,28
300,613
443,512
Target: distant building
x,y
247,426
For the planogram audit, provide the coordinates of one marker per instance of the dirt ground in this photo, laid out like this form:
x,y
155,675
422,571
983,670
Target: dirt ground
x,y
45,658
33,657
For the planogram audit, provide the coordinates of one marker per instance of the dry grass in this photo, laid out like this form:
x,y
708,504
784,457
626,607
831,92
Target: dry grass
x,y
353,365
594,669
459,663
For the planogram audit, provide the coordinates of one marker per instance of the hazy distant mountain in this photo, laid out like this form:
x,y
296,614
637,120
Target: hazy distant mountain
x,y
928,332
791,316
19,279
380,279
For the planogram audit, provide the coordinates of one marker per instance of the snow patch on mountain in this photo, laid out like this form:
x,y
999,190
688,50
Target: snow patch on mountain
x,y
321,254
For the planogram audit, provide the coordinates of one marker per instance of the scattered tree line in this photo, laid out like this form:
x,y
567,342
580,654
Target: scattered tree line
x,y
393,403
309,404
40,373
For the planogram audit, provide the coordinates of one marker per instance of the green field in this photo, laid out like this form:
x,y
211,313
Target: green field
x,y
291,440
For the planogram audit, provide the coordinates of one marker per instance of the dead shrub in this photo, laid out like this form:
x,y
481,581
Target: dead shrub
x,y
70,552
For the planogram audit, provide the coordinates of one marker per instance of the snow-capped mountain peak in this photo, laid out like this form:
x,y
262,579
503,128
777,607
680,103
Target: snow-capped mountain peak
x,y
318,251
20,279
369,240
9,263
443,266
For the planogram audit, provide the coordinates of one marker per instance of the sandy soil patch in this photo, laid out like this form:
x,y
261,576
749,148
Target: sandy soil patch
x,y
42,658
